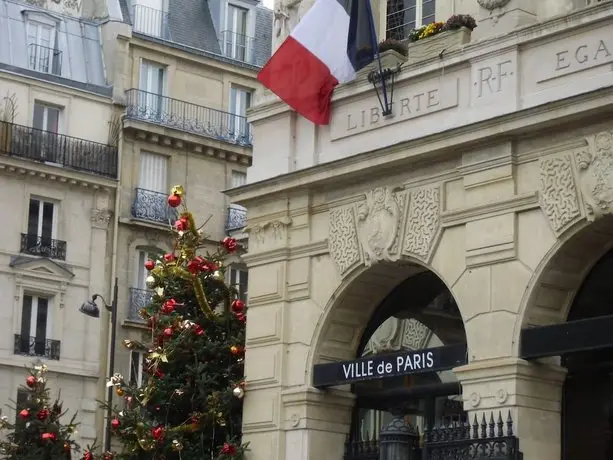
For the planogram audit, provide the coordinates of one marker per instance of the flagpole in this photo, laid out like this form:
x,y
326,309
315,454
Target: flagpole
x,y
375,45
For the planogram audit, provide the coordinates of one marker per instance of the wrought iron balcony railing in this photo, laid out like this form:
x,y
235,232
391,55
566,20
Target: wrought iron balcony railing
x,y
152,206
237,46
236,218
45,59
48,147
42,246
197,119
150,21
139,299
34,346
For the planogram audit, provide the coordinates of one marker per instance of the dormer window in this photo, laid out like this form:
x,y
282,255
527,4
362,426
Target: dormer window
x,y
236,42
405,15
43,55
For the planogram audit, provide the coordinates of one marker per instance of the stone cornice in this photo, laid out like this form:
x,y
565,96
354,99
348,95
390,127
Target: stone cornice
x,y
527,36
17,166
405,153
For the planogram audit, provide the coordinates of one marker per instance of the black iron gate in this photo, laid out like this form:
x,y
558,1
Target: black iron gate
x,y
493,440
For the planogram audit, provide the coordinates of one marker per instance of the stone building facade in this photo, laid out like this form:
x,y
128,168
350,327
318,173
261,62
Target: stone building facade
x,y
491,187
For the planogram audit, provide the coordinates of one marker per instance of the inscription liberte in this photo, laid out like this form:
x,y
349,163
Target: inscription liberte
x,y
582,55
399,364
411,105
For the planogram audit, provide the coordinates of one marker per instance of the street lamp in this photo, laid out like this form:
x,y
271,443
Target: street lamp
x,y
90,308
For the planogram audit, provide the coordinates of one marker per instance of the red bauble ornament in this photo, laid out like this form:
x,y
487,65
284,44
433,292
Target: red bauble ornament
x,y
150,265
195,265
170,257
241,317
88,456
158,432
107,456
43,414
238,306
181,224
48,436
228,449
169,306
115,423
198,330
229,244
159,374
174,200
168,332
31,381
24,414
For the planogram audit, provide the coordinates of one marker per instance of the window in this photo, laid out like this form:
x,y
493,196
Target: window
x,y
46,117
136,368
42,220
35,326
240,101
235,40
404,15
153,172
141,272
238,280
42,53
152,84
21,403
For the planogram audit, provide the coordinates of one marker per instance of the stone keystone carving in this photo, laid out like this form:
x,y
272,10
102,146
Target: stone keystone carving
x,y
378,219
558,193
596,175
492,4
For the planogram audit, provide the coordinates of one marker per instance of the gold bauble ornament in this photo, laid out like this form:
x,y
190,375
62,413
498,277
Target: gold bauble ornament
x,y
217,275
119,392
177,190
150,282
176,445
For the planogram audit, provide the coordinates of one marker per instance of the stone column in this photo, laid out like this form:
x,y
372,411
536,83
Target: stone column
x,y
316,423
530,391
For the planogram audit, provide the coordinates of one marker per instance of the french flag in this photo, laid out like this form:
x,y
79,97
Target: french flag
x,y
333,41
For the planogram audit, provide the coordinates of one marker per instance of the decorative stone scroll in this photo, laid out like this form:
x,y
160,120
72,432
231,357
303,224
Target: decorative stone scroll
x,y
595,164
423,221
398,334
101,218
558,193
389,223
492,4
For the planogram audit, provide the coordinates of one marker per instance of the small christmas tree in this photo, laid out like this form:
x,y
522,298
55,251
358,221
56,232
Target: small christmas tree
x,y
190,405
38,433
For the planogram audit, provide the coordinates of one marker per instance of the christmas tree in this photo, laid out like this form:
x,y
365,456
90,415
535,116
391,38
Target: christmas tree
x,y
190,404
38,433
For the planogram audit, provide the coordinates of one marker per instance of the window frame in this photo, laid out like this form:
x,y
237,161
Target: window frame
x,y
45,121
419,17
147,253
54,219
139,358
33,321
239,270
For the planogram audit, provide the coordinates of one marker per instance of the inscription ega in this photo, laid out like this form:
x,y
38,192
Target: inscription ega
x,y
579,56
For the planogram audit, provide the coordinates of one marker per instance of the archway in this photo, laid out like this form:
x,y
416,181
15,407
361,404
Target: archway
x,y
587,410
417,324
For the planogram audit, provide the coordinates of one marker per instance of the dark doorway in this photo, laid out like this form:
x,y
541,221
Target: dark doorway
x,y
587,410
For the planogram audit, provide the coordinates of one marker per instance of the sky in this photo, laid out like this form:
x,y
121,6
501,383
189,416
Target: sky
x,y
269,3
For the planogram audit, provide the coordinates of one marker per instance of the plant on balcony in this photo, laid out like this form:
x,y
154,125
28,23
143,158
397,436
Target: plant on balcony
x,y
190,404
38,432
455,22
8,112
458,21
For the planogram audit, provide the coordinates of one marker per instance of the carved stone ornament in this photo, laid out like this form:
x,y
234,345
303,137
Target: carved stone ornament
x,y
558,193
595,164
277,229
388,224
398,334
378,219
492,4
100,218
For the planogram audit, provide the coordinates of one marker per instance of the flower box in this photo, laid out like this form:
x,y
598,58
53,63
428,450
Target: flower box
x,y
389,59
430,47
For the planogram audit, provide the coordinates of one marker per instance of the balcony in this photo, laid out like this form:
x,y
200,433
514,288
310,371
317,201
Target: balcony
x,y
44,247
45,59
236,218
185,116
151,22
139,299
237,46
152,206
58,149
33,346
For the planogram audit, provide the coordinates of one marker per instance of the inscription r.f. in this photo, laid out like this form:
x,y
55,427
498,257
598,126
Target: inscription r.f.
x,y
490,78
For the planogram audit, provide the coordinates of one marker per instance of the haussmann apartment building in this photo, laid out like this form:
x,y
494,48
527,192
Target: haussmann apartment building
x,y
58,170
436,283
